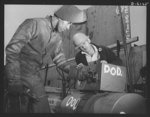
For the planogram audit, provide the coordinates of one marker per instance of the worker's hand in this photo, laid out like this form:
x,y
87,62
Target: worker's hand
x,y
78,72
82,72
73,72
12,74
103,61
79,66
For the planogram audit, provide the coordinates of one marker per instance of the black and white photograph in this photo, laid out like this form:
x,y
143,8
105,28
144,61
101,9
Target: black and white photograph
x,y
75,58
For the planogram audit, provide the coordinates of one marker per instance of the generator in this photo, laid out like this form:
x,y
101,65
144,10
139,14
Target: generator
x,y
106,94
106,102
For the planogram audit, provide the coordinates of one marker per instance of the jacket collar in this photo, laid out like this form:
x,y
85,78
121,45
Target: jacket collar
x,y
98,48
50,18
94,47
51,23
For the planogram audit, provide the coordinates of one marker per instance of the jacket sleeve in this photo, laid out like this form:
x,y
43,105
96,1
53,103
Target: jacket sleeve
x,y
59,56
20,38
108,55
80,58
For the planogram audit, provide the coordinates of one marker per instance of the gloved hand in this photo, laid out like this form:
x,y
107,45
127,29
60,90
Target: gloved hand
x,y
73,72
83,73
79,72
12,74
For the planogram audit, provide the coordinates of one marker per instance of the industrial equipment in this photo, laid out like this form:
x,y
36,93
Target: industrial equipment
x,y
107,96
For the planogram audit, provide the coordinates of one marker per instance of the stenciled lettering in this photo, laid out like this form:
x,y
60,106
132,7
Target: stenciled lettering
x,y
72,102
112,70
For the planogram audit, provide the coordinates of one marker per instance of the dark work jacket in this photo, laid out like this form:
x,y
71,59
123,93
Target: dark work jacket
x,y
105,54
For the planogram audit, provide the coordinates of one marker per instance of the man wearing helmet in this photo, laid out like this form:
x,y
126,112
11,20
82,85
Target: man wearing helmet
x,y
34,40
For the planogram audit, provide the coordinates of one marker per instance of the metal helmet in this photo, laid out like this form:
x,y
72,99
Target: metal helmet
x,y
71,13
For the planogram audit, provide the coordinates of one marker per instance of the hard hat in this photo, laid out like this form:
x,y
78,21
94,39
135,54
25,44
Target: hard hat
x,y
71,13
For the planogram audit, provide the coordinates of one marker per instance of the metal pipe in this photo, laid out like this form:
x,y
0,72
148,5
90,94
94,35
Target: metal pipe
x,y
53,65
134,39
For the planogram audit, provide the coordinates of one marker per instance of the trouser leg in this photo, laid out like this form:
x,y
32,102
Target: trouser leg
x,y
42,105
35,84
13,104
24,103
31,79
